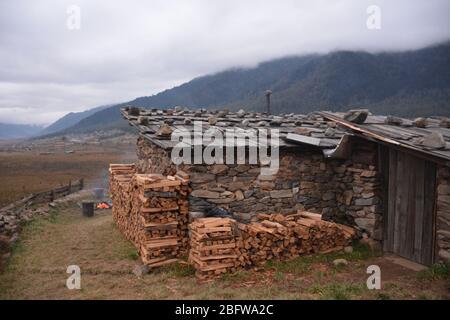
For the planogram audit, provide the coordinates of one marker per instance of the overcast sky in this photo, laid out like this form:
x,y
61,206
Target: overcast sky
x,y
126,49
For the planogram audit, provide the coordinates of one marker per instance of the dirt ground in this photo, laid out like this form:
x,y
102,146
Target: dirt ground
x,y
37,270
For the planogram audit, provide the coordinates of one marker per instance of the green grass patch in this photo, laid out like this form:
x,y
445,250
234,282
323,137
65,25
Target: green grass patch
x,y
337,291
360,252
435,272
383,296
302,264
133,255
238,276
178,270
279,276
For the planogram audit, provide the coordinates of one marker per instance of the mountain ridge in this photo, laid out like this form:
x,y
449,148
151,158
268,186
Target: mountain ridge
x,y
410,83
70,119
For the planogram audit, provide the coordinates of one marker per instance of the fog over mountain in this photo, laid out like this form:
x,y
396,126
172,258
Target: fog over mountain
x,y
407,84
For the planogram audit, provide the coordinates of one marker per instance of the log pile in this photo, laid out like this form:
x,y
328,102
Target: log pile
x,y
120,189
281,237
151,210
213,247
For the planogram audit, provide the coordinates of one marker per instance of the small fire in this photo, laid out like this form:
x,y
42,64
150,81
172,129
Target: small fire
x,y
103,205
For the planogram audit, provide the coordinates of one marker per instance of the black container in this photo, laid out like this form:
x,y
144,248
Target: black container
x,y
88,208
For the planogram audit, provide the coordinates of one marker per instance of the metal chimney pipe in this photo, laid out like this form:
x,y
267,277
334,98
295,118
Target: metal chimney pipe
x,y
268,93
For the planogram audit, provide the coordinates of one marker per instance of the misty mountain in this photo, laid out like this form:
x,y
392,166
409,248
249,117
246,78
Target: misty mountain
x,y
410,83
17,131
70,119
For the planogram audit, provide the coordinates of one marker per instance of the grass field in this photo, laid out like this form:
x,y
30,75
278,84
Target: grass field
x,y
37,270
23,173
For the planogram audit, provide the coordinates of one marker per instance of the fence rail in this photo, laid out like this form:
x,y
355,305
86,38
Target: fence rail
x,y
48,196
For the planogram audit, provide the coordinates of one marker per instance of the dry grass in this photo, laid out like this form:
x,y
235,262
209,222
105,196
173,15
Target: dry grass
x,y
23,173
38,270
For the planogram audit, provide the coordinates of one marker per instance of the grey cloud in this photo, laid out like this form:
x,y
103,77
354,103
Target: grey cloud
x,y
133,48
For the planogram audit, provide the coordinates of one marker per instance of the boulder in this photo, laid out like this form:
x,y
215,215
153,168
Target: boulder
x,y
187,121
434,140
396,121
240,113
142,120
420,122
348,249
357,116
212,120
340,262
164,130
445,123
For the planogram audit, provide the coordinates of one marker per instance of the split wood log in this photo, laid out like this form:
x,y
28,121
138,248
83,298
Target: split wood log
x,y
213,249
286,237
151,210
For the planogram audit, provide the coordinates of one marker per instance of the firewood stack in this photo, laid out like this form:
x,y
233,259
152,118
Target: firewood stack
x,y
213,247
120,189
278,237
152,212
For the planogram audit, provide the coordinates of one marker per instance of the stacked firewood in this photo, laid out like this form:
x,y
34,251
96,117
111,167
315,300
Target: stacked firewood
x,y
122,169
279,237
121,176
213,247
152,212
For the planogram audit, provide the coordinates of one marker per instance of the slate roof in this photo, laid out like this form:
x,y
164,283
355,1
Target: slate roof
x,y
404,135
325,130
322,132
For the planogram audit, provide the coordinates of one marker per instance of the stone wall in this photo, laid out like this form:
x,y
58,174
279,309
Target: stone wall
x,y
16,214
346,191
443,214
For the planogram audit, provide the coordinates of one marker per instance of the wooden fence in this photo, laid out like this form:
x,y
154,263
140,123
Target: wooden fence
x,y
48,196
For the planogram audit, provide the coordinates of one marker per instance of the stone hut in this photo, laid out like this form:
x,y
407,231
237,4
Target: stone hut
x,y
387,176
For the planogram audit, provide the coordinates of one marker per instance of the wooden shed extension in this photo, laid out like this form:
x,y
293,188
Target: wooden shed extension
x,y
415,211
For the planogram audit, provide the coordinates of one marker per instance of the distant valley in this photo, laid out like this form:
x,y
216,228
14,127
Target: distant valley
x,y
18,131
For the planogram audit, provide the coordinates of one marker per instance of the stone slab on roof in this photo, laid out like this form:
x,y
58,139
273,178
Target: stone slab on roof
x,y
402,132
150,121
324,129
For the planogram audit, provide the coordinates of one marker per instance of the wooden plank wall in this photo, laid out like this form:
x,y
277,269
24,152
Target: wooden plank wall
x,y
409,198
